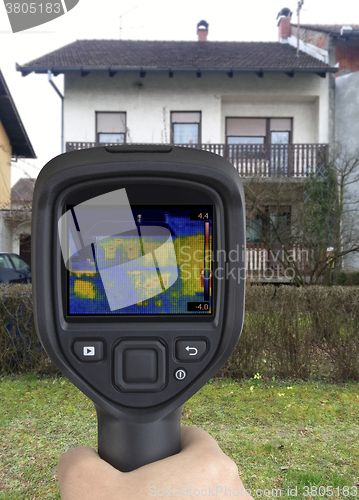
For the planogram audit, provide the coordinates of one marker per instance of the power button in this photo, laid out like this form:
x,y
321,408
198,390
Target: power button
x,y
180,374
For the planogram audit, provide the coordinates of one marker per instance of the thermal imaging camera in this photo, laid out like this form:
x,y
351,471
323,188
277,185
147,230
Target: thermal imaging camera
x,y
138,262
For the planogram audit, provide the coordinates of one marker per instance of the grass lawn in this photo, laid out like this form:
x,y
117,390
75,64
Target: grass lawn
x,y
281,434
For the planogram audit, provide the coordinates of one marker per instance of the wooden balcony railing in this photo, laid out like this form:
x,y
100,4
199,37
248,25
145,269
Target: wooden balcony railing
x,y
275,160
277,263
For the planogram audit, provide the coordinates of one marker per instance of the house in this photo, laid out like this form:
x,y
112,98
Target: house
x,y
265,107
14,144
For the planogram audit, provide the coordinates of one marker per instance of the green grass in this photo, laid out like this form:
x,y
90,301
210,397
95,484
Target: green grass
x,y
281,435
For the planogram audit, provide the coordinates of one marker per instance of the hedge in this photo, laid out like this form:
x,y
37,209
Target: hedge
x,y
20,348
304,333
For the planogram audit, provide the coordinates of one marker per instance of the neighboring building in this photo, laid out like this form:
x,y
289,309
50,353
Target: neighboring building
x,y
339,45
21,206
22,193
14,143
347,133
265,108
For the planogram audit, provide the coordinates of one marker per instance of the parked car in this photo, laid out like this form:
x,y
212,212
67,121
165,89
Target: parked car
x,y
14,269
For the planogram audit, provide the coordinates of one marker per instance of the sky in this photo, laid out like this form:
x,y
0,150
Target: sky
x,y
229,20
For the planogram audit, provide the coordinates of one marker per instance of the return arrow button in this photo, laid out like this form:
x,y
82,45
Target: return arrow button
x,y
190,349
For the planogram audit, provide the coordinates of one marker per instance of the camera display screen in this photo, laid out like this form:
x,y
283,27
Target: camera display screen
x,y
138,259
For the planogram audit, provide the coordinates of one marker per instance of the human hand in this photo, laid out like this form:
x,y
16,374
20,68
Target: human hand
x,y
200,465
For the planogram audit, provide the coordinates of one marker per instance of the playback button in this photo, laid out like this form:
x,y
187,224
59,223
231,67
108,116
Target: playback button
x,y
88,350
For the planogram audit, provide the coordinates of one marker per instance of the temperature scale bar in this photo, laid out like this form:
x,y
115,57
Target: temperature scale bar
x,y
207,268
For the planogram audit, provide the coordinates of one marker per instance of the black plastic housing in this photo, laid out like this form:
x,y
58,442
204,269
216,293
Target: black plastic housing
x,y
159,174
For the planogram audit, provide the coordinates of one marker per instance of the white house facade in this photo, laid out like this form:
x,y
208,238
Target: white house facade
x,y
147,106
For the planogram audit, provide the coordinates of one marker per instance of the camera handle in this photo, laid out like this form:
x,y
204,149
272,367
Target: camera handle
x,y
130,445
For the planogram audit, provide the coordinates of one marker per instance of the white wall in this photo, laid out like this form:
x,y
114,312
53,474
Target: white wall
x,y
304,97
5,234
347,132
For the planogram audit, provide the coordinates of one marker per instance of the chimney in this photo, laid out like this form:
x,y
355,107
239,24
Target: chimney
x,y
284,28
202,31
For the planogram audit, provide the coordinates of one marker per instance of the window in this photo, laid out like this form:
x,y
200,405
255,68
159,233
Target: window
x,y
279,137
258,130
111,127
20,264
185,127
260,138
280,130
5,262
247,132
272,224
280,225
254,230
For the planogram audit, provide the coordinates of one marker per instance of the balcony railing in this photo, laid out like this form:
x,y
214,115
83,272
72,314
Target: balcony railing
x,y
275,160
276,264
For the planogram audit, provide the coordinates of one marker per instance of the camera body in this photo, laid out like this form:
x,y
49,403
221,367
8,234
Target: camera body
x,y
138,262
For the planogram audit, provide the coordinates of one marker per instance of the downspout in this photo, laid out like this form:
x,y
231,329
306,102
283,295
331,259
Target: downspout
x,y
49,76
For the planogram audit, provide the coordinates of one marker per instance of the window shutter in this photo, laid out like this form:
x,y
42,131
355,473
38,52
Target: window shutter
x,y
111,123
251,127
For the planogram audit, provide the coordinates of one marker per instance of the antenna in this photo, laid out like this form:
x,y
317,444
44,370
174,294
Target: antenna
x,y
299,6
124,15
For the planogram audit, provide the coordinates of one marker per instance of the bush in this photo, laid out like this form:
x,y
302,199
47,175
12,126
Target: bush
x,y
308,332
20,348
348,278
305,333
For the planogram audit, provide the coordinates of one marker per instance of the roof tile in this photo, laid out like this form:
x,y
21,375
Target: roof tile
x,y
127,54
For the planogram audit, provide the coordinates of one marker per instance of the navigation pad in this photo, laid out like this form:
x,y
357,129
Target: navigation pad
x,y
140,365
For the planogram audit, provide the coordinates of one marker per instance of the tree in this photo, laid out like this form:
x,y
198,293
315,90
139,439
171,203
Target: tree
x,y
314,223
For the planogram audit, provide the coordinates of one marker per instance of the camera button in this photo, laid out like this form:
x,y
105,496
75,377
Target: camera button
x,y
190,350
88,350
180,374
140,365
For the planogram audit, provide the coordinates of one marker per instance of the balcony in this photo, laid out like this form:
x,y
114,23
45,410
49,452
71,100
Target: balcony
x,y
261,160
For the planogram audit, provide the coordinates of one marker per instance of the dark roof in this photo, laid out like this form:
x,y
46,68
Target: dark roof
x,y
11,121
23,190
331,29
121,55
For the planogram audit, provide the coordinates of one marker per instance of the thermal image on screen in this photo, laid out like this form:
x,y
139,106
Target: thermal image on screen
x,y
162,265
